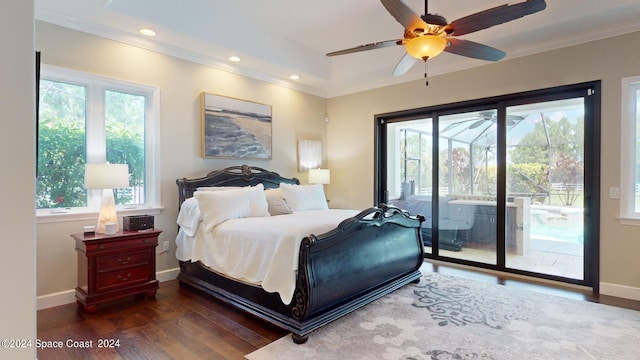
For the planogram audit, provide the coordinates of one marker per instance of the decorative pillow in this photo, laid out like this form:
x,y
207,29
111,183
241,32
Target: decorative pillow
x,y
275,200
219,206
304,197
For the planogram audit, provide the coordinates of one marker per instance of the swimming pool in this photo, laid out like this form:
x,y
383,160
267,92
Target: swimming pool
x,y
573,234
557,224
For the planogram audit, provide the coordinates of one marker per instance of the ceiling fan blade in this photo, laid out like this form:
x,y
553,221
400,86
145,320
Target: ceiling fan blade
x,y
494,16
473,50
404,65
404,15
476,124
434,19
372,46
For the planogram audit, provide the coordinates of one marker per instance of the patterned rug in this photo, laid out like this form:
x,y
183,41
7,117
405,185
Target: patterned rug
x,y
445,317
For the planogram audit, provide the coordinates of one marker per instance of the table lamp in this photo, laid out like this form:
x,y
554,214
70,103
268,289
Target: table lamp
x,y
319,176
106,177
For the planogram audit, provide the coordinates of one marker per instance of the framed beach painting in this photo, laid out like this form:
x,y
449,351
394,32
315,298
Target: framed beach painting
x,y
234,128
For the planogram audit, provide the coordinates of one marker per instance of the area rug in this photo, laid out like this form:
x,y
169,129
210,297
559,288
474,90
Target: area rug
x,y
445,317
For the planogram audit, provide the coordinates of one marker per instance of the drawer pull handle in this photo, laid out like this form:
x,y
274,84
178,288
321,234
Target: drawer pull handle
x,y
101,247
123,262
124,278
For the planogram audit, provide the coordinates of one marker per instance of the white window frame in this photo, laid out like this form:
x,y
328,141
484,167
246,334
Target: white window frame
x,y
96,86
628,215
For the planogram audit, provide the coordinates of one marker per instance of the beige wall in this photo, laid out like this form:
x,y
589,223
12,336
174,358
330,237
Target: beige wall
x,y
17,154
350,132
295,114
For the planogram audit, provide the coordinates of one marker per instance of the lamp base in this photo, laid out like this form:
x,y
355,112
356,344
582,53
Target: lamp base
x,y
108,214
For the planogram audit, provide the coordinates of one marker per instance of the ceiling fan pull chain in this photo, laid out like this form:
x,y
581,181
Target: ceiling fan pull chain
x,y
426,78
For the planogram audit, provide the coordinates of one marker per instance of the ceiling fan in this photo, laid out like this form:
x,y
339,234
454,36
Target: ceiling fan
x,y
492,117
429,35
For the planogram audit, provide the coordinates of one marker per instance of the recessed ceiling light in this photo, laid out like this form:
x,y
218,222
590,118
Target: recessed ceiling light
x,y
294,77
147,32
234,58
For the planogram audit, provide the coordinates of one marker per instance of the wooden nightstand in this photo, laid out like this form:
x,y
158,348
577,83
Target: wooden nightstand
x,y
115,266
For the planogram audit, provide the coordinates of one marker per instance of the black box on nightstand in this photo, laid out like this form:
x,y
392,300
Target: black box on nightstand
x,y
137,222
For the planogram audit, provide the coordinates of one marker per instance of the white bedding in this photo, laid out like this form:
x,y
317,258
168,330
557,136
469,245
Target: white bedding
x,y
258,250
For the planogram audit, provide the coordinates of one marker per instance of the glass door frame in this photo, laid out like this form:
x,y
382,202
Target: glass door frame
x,y
591,93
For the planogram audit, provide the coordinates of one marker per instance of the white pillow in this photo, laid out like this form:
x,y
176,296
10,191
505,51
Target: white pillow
x,y
275,200
219,206
189,216
304,197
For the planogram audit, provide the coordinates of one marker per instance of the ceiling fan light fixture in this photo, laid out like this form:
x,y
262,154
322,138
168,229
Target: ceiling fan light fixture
x,y
426,46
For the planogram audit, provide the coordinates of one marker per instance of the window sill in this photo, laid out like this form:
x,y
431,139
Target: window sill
x,y
629,221
80,215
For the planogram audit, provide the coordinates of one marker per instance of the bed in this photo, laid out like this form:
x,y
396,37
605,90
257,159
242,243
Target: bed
x,y
351,259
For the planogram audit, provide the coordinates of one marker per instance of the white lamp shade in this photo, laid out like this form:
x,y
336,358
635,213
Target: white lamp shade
x,y
106,176
319,176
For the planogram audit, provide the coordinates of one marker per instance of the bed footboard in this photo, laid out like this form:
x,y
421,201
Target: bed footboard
x,y
363,259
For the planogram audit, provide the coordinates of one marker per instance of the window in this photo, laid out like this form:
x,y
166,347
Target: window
x,y
629,156
85,118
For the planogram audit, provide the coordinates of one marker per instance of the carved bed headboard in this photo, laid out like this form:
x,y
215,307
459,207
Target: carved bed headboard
x,y
243,175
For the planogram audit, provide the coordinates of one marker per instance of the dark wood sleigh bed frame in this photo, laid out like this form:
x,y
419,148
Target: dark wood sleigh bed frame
x,y
364,258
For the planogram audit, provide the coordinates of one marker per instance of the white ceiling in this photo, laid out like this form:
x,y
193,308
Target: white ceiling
x,y
278,38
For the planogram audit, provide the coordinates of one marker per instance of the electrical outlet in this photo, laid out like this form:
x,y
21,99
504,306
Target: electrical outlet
x,y
165,246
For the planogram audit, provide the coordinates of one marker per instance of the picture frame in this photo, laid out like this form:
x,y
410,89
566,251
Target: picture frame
x,y
235,128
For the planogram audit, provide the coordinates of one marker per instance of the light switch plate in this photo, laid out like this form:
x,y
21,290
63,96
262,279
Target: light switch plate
x,y
614,193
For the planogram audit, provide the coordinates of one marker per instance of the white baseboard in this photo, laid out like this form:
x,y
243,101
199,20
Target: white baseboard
x,y
166,275
69,296
56,299
621,291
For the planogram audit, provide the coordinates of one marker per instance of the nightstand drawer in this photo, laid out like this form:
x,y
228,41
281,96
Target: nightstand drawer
x,y
121,244
122,261
124,278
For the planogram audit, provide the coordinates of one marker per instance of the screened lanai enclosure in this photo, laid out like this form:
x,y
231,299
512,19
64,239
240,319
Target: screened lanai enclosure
x,y
519,166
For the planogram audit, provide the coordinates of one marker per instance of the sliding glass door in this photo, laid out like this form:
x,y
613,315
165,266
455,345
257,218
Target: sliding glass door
x,y
546,177
508,183
409,171
467,183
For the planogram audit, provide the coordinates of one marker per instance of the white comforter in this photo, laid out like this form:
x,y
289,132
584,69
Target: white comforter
x,y
260,250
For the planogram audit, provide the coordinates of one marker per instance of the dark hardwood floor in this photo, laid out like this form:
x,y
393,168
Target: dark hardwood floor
x,y
180,323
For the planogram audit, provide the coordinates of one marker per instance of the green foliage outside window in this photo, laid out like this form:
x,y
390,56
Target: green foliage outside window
x,y
62,143
61,159
561,145
124,122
